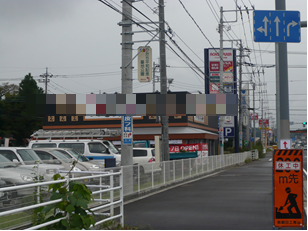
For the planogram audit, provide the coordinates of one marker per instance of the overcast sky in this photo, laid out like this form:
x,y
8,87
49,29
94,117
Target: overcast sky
x,y
79,42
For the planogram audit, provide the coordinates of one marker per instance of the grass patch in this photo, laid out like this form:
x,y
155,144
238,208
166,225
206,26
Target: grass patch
x,y
14,220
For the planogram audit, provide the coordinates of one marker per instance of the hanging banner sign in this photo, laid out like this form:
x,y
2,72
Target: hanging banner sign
x,y
145,64
288,195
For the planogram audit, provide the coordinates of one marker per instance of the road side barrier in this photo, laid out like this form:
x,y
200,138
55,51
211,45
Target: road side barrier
x,y
103,198
155,175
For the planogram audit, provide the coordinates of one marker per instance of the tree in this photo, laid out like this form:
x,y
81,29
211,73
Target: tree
x,y
13,117
29,86
6,88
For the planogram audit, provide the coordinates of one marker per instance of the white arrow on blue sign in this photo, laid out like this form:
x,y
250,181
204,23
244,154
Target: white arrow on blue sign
x,y
277,26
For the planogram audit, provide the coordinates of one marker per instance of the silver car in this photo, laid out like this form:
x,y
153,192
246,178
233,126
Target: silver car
x,y
14,174
51,156
83,160
27,159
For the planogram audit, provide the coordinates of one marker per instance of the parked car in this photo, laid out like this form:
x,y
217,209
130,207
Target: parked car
x,y
97,150
26,158
82,160
51,156
144,157
16,174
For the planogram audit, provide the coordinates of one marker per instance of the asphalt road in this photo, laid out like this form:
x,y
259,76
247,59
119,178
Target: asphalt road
x,y
238,198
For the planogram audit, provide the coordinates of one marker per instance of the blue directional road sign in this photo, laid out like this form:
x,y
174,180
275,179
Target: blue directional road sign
x,y
277,26
128,130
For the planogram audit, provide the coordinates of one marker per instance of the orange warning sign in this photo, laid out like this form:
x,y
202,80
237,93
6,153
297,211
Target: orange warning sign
x,y
288,202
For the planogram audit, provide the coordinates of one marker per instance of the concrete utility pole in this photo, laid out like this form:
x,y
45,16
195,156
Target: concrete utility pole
x,y
127,87
45,79
282,87
240,120
163,79
254,115
154,76
221,118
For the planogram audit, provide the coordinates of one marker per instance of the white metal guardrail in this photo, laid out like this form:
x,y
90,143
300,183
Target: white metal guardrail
x,y
108,188
155,175
99,203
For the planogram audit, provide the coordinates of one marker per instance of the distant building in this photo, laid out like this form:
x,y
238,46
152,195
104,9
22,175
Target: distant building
x,y
182,129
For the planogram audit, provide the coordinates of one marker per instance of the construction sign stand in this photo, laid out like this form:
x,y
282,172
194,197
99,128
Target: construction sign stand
x,y
288,194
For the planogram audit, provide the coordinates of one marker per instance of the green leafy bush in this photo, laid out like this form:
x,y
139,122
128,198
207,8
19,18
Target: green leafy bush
x,y
74,206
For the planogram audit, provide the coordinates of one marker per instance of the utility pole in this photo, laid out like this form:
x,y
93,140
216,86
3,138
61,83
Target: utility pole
x,y
154,76
45,79
282,88
221,118
127,87
163,79
254,115
240,96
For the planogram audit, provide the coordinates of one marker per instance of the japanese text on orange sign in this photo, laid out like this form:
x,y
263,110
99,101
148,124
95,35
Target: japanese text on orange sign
x,y
288,188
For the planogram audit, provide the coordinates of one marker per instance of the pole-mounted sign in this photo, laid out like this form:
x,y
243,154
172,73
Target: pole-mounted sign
x,y
276,26
145,64
128,130
288,195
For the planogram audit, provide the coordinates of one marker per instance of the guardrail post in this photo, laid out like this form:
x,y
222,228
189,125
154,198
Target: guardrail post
x,y
121,199
164,172
138,177
173,170
38,180
100,194
111,194
67,187
197,166
152,176
189,167
202,163
182,169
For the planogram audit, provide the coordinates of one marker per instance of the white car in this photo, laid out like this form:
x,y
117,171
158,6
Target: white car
x,y
97,150
145,157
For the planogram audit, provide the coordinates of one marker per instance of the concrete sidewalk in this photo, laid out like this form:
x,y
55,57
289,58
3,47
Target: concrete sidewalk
x,y
237,198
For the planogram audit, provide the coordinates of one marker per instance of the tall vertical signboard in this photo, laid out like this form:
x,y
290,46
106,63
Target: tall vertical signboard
x,y
227,79
128,130
145,64
288,201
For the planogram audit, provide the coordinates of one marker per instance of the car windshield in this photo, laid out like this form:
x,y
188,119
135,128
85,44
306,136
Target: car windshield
x,y
45,145
62,156
6,163
78,156
78,147
28,156
111,147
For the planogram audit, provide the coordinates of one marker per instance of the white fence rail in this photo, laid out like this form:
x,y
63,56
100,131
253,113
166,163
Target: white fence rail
x,y
103,198
171,172
108,188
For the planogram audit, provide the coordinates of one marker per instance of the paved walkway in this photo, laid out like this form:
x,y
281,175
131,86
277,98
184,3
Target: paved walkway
x,y
238,198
